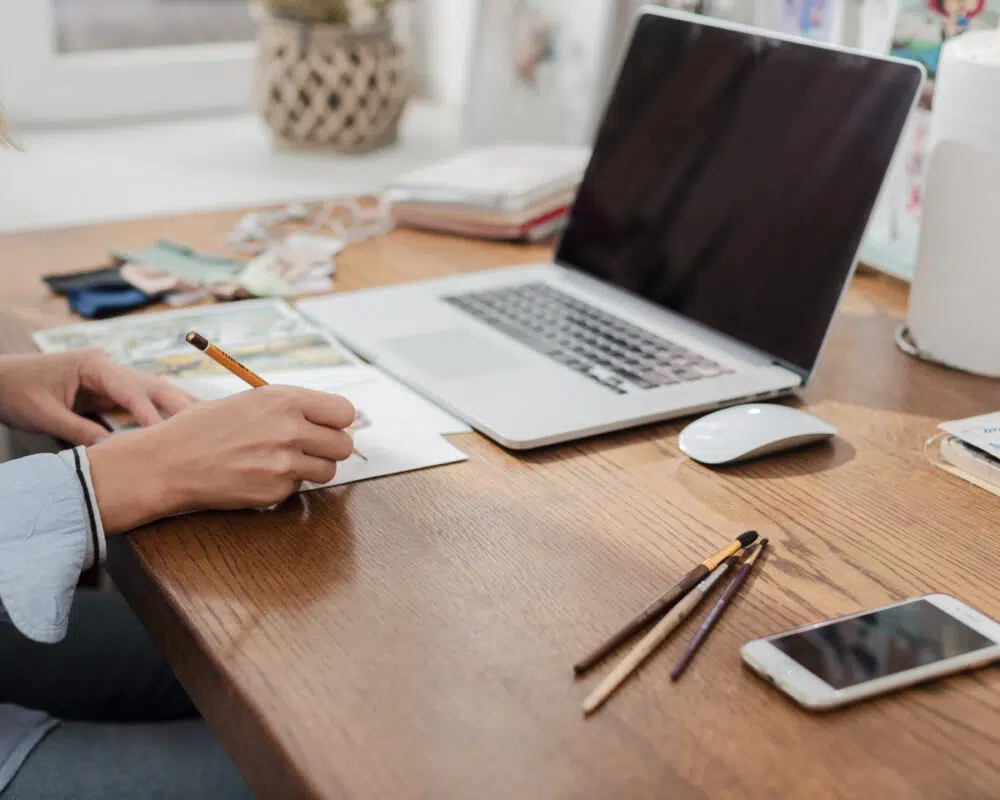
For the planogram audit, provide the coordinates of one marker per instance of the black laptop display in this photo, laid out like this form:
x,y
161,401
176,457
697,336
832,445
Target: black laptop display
x,y
753,165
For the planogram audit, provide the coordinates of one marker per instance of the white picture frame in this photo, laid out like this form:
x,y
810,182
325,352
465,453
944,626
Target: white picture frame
x,y
822,20
876,23
625,15
537,71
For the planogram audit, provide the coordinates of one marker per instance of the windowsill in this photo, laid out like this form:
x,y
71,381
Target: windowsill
x,y
88,175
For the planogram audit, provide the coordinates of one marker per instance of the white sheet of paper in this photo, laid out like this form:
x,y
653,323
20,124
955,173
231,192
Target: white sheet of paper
x,y
981,431
405,430
385,401
389,452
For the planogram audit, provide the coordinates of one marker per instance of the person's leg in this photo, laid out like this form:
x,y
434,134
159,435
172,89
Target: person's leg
x,y
106,669
168,760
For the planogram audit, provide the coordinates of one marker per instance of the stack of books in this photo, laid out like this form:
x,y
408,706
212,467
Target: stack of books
x,y
507,192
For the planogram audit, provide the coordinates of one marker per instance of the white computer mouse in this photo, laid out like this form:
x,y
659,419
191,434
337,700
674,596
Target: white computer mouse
x,y
755,429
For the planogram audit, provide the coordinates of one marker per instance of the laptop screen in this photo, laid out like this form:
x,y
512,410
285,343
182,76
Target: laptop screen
x,y
733,176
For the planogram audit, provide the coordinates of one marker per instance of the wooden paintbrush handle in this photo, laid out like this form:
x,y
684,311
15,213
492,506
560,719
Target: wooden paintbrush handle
x,y
641,652
664,602
651,641
644,618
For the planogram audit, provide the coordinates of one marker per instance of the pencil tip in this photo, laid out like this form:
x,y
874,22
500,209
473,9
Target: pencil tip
x,y
197,340
747,538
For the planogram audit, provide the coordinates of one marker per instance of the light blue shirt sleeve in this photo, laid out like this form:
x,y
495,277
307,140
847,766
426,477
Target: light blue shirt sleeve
x,y
46,539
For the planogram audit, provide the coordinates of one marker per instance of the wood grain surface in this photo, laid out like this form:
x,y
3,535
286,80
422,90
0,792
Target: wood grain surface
x,y
413,636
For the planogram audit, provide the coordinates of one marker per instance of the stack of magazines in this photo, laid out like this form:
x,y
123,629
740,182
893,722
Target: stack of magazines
x,y
507,192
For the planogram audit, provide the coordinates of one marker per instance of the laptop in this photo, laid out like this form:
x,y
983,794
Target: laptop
x,y
713,234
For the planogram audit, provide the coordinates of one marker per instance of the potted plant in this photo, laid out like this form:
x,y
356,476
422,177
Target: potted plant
x,y
329,73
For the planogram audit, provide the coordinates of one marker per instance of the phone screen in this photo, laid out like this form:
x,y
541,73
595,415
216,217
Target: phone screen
x,y
852,651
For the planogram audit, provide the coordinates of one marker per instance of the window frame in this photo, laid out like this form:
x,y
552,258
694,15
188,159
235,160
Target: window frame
x,y
40,85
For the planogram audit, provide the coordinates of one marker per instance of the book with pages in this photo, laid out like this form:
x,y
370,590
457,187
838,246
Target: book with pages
x,y
507,192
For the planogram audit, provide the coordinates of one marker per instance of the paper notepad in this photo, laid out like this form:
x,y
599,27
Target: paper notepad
x,y
389,452
385,401
404,431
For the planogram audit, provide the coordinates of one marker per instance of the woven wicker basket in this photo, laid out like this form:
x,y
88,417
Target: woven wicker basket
x,y
330,86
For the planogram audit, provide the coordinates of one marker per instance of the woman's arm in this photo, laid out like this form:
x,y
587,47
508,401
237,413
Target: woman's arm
x,y
247,451
50,531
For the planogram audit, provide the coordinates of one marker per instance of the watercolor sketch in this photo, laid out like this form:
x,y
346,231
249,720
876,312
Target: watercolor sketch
x,y
266,335
536,71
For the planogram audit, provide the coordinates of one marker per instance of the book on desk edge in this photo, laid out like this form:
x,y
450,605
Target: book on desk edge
x,y
968,448
532,231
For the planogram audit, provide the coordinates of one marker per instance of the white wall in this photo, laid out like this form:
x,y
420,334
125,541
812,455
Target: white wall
x,y
450,27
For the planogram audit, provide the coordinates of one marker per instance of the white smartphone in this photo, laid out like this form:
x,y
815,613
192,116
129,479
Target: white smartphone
x,y
844,660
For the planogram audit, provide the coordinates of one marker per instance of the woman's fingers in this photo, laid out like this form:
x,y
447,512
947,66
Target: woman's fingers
x,y
105,379
167,397
315,470
66,424
329,444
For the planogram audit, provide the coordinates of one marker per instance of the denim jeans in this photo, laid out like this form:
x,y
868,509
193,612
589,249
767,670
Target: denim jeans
x,y
127,730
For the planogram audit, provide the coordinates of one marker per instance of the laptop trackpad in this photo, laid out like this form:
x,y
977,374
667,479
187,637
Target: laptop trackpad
x,y
452,353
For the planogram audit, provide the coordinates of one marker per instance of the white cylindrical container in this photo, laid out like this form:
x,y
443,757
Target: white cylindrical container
x,y
954,312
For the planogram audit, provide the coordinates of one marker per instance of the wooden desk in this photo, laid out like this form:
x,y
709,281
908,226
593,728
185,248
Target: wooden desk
x,y
413,636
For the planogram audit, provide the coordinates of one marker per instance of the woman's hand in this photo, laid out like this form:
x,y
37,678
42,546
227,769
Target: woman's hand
x,y
250,450
48,394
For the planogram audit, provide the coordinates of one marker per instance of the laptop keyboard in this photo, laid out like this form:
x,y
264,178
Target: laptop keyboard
x,y
620,356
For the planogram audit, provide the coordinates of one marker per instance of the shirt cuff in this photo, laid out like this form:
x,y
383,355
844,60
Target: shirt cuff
x,y
43,542
76,459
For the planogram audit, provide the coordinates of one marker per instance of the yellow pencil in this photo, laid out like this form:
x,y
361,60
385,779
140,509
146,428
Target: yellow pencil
x,y
223,359
244,373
